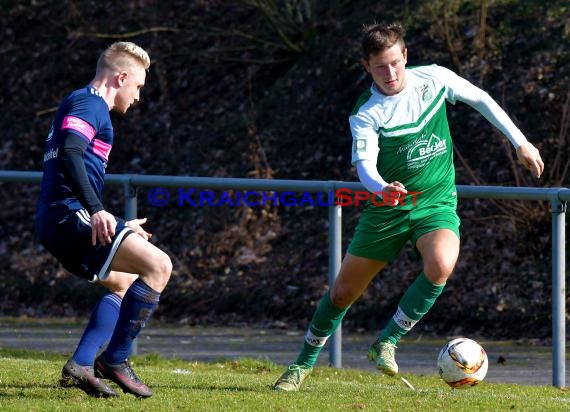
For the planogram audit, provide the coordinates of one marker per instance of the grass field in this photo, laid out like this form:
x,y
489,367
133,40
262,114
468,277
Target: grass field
x,y
29,382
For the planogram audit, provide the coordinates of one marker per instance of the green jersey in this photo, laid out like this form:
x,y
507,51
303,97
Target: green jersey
x,y
408,136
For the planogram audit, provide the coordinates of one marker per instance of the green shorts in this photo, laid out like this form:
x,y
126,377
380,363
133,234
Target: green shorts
x,y
382,232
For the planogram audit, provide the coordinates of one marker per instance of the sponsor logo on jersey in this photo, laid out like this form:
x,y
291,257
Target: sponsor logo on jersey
x,y
50,154
426,92
423,150
79,125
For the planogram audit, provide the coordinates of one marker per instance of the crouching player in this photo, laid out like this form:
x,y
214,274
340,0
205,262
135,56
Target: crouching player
x,y
91,243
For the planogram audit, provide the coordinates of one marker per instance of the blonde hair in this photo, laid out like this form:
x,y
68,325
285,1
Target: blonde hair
x,y
121,56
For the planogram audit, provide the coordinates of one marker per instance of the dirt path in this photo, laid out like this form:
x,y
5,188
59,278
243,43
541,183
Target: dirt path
x,y
509,363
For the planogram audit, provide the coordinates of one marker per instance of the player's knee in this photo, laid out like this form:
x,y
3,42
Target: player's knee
x,y
342,297
439,270
165,267
162,270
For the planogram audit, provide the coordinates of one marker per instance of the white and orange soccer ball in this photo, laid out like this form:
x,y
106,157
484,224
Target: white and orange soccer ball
x,y
462,363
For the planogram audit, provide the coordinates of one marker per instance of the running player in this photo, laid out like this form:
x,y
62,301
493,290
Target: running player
x,y
73,225
401,143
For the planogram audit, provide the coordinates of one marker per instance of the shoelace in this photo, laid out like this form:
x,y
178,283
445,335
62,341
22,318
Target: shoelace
x,y
296,375
387,350
131,372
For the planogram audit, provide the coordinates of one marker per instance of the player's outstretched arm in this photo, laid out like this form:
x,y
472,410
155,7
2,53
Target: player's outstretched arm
x,y
480,100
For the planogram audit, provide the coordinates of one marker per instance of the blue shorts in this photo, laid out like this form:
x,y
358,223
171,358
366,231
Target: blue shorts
x,y
68,238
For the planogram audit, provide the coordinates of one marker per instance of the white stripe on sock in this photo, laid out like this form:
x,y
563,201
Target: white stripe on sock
x,y
316,341
403,321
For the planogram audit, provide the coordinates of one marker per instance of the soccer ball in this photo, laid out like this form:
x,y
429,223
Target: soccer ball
x,y
462,363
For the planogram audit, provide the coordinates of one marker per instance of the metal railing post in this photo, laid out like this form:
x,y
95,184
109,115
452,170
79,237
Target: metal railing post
x,y
556,196
130,200
335,257
558,211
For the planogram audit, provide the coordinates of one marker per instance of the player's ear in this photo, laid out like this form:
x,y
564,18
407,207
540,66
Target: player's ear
x,y
122,77
366,64
405,53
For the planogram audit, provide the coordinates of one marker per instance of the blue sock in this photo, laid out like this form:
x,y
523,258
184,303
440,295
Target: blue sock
x,y
99,329
139,303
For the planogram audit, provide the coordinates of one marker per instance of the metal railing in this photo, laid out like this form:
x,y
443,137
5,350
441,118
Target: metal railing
x,y
557,197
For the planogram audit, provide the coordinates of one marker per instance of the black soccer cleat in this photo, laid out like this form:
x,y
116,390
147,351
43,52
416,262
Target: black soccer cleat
x,y
83,377
123,375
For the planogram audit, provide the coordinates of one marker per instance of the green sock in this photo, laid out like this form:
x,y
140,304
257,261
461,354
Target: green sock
x,y
326,319
415,303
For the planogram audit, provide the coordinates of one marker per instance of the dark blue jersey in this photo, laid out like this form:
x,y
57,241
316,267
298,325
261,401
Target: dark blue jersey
x,y
85,114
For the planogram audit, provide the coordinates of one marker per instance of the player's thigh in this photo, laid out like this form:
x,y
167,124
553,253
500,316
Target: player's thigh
x,y
68,238
136,255
119,282
354,276
380,234
435,236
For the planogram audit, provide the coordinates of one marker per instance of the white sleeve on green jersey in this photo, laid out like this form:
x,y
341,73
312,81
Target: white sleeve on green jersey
x,y
369,176
364,137
466,92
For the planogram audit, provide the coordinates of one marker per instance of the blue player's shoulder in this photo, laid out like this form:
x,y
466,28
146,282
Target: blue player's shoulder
x,y
85,93
86,98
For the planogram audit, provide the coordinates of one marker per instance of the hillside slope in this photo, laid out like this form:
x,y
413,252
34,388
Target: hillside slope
x,y
233,92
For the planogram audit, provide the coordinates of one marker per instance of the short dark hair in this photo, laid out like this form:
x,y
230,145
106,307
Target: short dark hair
x,y
378,37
